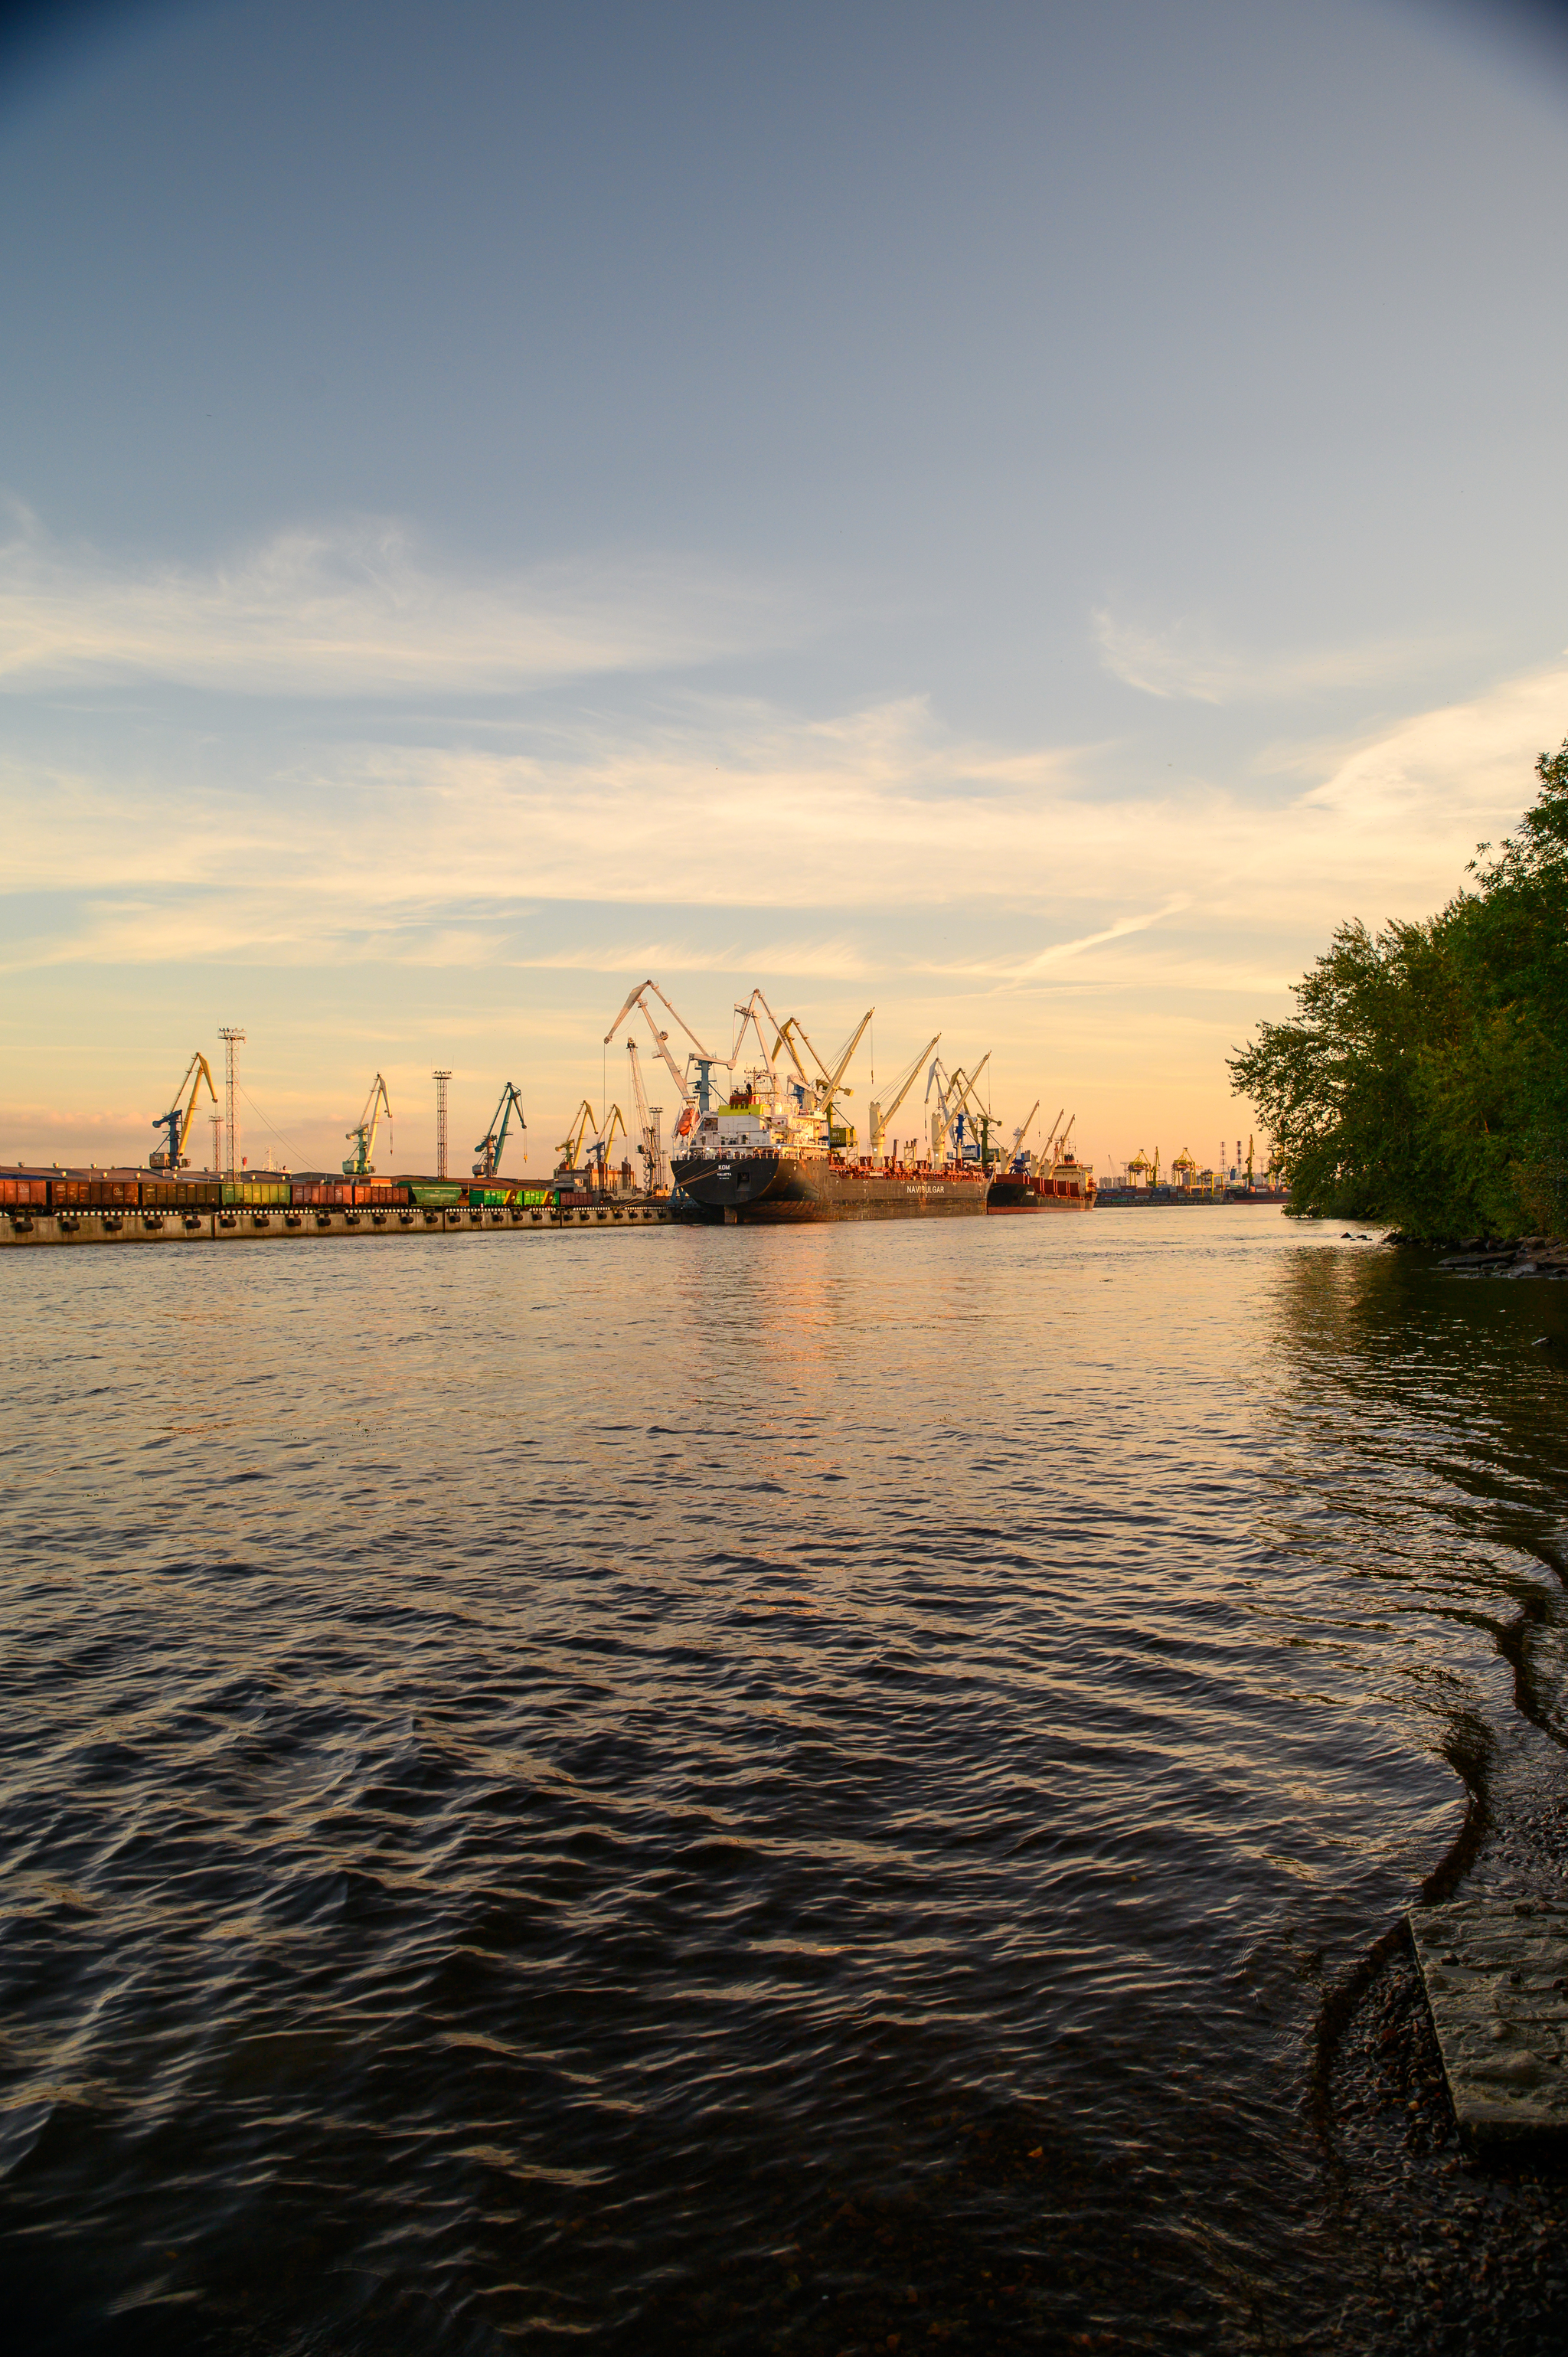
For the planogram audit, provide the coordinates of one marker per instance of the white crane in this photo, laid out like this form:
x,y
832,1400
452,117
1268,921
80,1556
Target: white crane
x,y
955,1096
1022,1131
693,1100
648,1143
881,1115
748,1018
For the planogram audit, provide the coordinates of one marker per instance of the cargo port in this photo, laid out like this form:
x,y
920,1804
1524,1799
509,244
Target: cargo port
x,y
761,1137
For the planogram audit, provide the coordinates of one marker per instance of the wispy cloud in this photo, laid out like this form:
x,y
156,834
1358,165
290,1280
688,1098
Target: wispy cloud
x,y
357,610
772,839
1189,662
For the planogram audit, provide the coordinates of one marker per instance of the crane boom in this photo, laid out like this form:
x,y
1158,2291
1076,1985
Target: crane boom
x,y
829,1087
1041,1161
1022,1131
638,998
881,1115
176,1123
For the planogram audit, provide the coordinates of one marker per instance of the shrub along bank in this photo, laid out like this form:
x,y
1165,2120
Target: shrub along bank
x,y
1424,1078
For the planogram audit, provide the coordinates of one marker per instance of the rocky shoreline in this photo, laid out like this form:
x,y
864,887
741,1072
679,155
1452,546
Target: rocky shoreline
x,y
1464,2251
1493,1256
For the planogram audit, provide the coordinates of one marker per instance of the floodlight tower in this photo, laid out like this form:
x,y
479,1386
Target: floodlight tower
x,y
441,1078
230,1040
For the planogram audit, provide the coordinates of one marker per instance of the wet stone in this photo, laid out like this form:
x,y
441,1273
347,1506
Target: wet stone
x,y
1496,1972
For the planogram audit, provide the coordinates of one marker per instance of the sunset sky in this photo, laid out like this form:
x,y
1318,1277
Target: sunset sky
x,y
1026,516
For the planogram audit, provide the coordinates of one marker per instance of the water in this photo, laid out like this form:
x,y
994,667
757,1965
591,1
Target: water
x,y
729,1789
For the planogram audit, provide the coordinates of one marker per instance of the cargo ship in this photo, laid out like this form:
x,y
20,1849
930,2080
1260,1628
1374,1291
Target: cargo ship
x,y
1064,1185
754,1163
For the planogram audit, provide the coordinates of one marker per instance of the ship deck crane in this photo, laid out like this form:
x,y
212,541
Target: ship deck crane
x,y
1021,1133
956,1093
492,1146
362,1136
1040,1164
968,1086
176,1123
747,1017
881,1115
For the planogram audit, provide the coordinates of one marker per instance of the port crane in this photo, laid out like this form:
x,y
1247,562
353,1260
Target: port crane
x,y
599,1150
694,1100
881,1115
570,1145
492,1146
362,1136
651,1148
176,1123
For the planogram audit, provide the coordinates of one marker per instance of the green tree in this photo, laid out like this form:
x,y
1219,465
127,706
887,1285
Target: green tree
x,y
1425,1076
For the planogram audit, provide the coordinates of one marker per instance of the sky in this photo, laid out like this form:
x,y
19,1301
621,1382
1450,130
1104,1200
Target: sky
x,y
1026,517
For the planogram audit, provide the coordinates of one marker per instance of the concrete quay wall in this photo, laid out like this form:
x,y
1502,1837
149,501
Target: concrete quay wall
x,y
245,1224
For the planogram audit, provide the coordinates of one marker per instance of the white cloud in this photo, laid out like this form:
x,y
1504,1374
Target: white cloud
x,y
727,809
356,611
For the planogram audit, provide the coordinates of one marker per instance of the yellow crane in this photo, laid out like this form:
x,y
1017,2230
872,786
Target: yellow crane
x,y
1185,1168
600,1149
881,1115
362,1136
570,1145
176,1122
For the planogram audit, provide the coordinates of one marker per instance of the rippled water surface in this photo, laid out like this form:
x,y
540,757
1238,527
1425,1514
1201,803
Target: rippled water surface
x,y
724,1788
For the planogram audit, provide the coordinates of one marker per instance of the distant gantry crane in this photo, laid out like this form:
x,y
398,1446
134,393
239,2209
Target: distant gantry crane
x,y
492,1146
362,1136
176,1123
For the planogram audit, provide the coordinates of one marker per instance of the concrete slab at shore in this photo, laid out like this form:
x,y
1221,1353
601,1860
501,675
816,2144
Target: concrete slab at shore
x,y
1496,1972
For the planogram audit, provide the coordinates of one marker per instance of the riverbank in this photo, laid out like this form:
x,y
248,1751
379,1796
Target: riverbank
x,y
1468,2251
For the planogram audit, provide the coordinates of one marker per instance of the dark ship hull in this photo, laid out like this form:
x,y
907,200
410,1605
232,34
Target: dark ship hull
x,y
1040,1195
790,1190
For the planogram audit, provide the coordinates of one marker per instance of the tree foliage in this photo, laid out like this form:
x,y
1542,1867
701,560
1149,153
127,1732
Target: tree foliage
x,y
1424,1077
